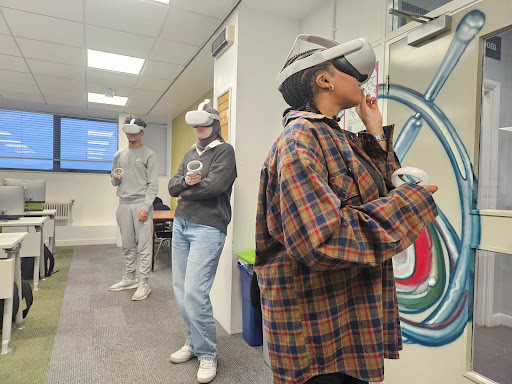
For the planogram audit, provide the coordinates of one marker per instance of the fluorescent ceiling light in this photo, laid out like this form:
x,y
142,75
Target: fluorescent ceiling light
x,y
5,133
506,129
162,1
94,158
98,98
96,149
10,141
113,62
25,151
97,133
16,145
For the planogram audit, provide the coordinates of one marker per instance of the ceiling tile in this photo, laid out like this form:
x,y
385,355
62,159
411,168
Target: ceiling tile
x,y
146,94
217,9
19,88
30,97
66,102
141,103
122,43
72,95
59,83
172,52
145,17
16,78
112,78
161,70
64,9
3,26
51,52
44,28
118,90
189,28
13,63
8,46
153,83
40,67
136,111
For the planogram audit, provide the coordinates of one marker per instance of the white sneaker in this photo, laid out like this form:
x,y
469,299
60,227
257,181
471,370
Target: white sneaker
x,y
185,353
207,371
124,284
142,292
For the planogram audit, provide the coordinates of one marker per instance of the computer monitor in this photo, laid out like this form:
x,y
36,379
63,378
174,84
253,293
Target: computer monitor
x,y
35,190
11,202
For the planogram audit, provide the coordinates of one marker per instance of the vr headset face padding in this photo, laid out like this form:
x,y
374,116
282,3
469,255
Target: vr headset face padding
x,y
200,118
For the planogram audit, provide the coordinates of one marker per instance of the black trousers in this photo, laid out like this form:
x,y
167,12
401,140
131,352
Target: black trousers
x,y
335,378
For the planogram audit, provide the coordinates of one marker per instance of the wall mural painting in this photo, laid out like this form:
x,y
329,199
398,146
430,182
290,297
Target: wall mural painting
x,y
433,277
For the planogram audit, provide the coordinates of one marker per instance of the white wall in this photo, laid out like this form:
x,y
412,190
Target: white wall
x,y
223,292
249,68
94,219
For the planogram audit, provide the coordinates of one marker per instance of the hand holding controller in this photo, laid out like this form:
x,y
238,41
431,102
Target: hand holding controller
x,y
117,173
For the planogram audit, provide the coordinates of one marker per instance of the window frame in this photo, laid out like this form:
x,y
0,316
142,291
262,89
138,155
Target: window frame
x,y
57,142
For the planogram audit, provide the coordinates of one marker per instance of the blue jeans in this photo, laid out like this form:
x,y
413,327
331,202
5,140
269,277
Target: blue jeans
x,y
196,251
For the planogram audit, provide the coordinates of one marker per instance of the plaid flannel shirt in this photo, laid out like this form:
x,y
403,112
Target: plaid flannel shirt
x,y
324,242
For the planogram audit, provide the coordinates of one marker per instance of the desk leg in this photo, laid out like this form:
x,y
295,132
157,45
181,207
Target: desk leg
x,y
17,280
153,248
6,328
39,261
52,239
7,319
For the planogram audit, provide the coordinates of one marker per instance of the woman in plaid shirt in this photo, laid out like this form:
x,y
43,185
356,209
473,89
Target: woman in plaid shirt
x,y
328,223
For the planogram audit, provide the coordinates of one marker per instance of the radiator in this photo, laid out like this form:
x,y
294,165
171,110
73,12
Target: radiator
x,y
63,209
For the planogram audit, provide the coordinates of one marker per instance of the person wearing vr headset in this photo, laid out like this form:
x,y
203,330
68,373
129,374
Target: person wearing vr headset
x,y
329,221
203,185
135,174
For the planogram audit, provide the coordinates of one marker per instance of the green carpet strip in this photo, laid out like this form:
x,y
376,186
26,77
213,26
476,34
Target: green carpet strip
x,y
29,360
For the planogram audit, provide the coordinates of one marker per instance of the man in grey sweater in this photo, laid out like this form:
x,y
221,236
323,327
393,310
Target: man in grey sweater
x,y
135,174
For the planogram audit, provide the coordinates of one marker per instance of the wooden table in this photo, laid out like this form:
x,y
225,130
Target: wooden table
x,y
159,217
10,273
33,245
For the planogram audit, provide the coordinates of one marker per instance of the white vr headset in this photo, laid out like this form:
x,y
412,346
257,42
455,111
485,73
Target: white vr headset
x,y
355,58
201,118
132,128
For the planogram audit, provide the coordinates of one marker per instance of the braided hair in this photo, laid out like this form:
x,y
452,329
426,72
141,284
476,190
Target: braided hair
x,y
297,90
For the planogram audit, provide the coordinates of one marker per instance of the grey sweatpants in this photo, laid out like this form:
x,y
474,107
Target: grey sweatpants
x,y
137,237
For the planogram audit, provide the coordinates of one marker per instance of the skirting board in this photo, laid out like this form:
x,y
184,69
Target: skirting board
x,y
502,319
85,235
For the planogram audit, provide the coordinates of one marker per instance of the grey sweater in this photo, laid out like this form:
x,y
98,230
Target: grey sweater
x,y
207,202
140,177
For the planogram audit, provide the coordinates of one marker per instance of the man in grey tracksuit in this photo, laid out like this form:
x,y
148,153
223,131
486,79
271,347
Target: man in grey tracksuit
x,y
135,174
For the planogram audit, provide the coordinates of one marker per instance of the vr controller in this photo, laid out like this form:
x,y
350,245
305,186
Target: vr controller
x,y
420,177
195,166
118,172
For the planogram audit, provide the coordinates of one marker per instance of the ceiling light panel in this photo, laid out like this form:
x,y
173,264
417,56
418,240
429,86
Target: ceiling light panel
x,y
113,62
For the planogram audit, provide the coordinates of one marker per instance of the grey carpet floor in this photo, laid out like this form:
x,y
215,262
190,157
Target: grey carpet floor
x,y
492,353
106,338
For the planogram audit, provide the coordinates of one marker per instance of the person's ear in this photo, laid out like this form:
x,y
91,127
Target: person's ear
x,y
323,81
